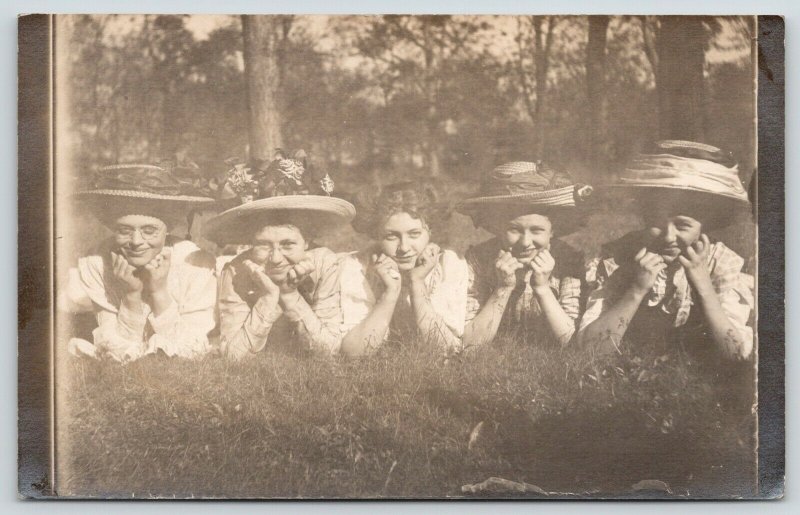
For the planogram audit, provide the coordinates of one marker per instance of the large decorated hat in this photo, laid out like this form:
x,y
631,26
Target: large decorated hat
x,y
285,190
522,186
167,192
696,174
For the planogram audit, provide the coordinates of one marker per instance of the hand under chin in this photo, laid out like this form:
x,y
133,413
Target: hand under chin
x,y
139,261
278,278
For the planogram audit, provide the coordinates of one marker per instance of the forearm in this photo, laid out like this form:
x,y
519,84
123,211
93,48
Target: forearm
x,y
160,302
182,334
605,333
484,326
723,332
122,334
372,330
318,333
561,325
429,322
247,332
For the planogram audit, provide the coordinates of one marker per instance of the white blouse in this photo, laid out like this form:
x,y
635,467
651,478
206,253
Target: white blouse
x,y
447,286
124,335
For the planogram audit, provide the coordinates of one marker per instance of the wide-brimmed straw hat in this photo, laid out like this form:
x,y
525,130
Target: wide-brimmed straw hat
x,y
236,226
534,186
693,173
276,193
166,193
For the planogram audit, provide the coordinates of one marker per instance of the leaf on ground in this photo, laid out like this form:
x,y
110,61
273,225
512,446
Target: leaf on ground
x,y
474,435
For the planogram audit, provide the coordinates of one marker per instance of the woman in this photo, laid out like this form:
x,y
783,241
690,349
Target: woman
x,y
669,280
280,292
402,280
524,278
149,291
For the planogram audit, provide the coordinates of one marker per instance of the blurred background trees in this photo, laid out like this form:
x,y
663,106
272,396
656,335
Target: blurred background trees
x,y
377,98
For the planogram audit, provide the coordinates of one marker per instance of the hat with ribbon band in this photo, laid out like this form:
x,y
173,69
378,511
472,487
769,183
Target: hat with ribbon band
x,y
695,174
530,186
167,193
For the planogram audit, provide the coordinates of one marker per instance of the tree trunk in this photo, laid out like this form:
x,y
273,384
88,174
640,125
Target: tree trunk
x,y
431,144
679,77
262,38
543,40
596,88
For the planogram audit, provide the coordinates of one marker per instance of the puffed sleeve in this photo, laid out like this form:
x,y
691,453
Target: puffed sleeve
x,y
357,298
478,284
121,333
450,298
571,271
182,330
243,330
735,291
597,274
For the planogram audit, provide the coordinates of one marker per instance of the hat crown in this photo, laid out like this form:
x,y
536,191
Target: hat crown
x,y
288,173
145,178
686,165
519,177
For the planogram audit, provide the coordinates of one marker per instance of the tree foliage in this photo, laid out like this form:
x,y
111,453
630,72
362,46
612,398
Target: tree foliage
x,y
382,97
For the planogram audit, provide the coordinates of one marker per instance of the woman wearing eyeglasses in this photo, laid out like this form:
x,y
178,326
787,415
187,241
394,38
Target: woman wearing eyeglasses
x,y
149,291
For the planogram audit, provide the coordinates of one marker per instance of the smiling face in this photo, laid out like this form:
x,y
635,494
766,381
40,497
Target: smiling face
x,y
403,238
139,238
525,235
671,233
278,248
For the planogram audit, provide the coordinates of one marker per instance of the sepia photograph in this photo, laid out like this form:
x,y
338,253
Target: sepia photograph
x,y
401,257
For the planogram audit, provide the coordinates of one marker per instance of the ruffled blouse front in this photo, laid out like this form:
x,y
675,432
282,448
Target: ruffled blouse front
x,y
182,330
446,284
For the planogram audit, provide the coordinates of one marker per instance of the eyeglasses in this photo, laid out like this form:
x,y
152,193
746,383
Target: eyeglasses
x,y
148,232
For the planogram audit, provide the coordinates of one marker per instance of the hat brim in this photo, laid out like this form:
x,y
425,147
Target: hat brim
x,y
236,226
566,219
109,205
714,202
132,194
537,199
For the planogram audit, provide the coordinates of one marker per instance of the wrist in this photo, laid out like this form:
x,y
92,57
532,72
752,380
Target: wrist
x,y
133,297
289,297
637,292
705,289
540,290
505,288
392,292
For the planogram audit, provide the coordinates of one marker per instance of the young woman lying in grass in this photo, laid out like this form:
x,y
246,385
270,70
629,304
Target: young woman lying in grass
x,y
280,291
524,279
403,279
149,292
670,280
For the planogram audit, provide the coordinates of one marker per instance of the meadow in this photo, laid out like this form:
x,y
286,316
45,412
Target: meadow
x,y
409,423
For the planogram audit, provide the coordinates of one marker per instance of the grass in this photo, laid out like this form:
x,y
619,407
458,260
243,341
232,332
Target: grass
x,y
399,424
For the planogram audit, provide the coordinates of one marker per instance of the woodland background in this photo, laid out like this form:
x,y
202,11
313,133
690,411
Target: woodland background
x,y
379,98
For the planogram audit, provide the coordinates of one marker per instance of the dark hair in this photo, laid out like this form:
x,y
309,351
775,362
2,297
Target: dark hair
x,y
306,229
420,200
712,215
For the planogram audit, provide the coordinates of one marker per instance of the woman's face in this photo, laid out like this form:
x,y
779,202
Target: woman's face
x,y
139,238
278,248
526,235
670,234
403,239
